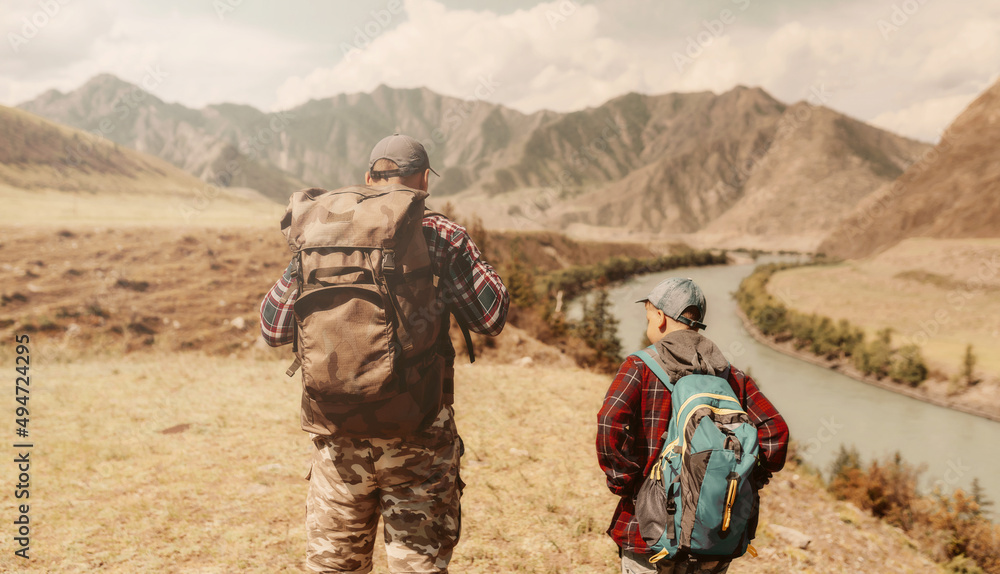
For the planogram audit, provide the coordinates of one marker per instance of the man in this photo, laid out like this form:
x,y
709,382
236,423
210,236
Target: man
x,y
637,410
412,480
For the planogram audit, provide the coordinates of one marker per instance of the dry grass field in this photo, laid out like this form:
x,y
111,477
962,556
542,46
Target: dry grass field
x,y
167,439
941,294
197,205
185,462
111,289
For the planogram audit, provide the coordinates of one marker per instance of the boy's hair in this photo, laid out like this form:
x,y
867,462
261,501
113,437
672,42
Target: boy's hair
x,y
692,313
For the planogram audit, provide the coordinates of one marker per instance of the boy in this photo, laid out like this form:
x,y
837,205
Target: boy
x,y
637,410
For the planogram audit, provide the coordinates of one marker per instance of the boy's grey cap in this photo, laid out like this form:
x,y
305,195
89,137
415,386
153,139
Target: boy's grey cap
x,y
406,152
674,295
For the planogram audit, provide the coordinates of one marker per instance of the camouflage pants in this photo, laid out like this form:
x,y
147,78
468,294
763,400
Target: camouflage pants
x,y
412,482
633,563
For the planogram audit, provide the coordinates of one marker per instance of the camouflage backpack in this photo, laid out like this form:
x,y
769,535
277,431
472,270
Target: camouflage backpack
x,y
371,330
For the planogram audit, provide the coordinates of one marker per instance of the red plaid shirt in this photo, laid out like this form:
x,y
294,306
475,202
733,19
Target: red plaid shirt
x,y
635,415
480,298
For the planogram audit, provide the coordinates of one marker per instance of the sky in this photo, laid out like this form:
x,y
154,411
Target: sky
x,y
910,66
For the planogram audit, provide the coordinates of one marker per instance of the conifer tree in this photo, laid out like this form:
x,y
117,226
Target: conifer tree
x,y
599,330
969,366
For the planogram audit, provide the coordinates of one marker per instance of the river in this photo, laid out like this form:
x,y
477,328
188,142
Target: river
x,y
825,409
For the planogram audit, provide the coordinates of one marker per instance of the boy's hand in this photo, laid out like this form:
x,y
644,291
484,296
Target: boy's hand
x,y
760,476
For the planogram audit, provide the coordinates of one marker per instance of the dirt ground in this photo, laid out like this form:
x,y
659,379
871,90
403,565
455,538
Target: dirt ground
x,y
168,433
111,290
194,463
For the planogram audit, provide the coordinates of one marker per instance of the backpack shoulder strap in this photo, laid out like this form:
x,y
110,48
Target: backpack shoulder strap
x,y
468,340
648,356
465,328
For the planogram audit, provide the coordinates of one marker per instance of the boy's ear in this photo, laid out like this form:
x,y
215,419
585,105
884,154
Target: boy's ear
x,y
662,319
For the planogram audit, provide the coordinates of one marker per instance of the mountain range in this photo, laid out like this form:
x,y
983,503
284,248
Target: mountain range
x,y
52,174
37,154
952,192
737,168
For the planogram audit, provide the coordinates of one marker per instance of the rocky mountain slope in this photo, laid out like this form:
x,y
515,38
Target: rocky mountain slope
x,y
732,166
743,164
221,144
51,174
38,154
953,192
819,163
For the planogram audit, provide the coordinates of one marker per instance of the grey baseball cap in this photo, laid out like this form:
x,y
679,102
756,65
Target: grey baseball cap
x,y
674,295
406,152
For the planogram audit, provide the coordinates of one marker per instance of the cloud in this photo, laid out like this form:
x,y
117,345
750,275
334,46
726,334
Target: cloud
x,y
561,54
564,56
558,55
914,82
538,57
47,34
203,59
925,120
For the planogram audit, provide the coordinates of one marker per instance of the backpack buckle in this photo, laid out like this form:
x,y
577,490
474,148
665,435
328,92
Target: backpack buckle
x,y
388,261
294,367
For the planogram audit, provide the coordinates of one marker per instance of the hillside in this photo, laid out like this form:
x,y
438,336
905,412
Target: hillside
x,y
324,142
38,154
741,166
109,290
200,142
790,198
953,192
745,170
152,464
54,175
941,294
165,423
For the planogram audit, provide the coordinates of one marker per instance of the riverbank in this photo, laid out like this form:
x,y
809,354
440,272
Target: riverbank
x,y
929,391
940,294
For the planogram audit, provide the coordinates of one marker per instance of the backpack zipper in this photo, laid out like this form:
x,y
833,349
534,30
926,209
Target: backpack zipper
x,y
657,472
710,395
730,501
715,410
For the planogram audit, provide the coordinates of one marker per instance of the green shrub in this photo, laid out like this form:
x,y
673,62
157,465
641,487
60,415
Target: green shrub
x,y
577,280
822,337
599,330
847,460
887,489
969,366
770,319
951,528
519,279
874,358
848,337
908,366
962,564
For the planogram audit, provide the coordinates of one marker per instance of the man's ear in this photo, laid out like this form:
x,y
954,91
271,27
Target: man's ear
x,y
662,322
368,178
425,180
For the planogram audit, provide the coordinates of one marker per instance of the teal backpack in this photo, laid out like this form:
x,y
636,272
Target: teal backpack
x,y
699,500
